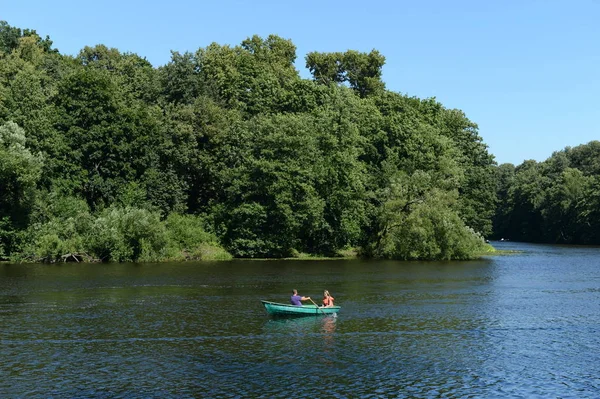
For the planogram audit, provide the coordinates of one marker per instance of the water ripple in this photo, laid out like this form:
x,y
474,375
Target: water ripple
x,y
512,327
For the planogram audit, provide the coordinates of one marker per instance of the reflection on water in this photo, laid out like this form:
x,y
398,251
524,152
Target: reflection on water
x,y
300,325
524,325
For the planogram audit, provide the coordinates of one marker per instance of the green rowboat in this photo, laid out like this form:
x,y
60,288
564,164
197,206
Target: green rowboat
x,y
282,309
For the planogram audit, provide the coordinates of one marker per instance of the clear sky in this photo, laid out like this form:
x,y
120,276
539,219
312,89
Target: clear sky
x,y
526,71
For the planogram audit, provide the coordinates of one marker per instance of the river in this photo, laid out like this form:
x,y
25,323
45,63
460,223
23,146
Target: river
x,y
525,325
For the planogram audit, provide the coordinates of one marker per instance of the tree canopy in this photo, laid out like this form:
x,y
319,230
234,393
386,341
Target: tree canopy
x,y
227,150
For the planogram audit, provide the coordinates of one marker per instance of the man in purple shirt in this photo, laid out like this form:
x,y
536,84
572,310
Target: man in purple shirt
x,y
296,299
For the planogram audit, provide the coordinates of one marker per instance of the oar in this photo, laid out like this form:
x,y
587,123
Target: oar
x,y
317,306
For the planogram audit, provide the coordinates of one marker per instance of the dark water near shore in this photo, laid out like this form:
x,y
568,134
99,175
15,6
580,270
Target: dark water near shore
x,y
517,326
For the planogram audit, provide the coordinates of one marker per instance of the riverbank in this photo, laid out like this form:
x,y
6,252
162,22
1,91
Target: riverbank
x,y
212,253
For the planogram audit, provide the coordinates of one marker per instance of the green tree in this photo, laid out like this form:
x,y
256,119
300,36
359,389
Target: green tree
x,y
28,80
588,217
560,212
417,221
112,140
552,201
293,183
10,36
19,173
504,177
254,78
361,71
270,195
134,74
179,79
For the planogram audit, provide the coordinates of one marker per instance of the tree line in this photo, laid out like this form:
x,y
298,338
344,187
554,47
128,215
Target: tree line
x,y
554,201
227,151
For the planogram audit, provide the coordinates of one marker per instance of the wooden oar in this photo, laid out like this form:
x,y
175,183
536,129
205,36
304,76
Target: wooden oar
x,y
317,306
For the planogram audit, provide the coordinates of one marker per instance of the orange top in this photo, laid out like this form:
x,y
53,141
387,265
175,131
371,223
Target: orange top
x,y
328,301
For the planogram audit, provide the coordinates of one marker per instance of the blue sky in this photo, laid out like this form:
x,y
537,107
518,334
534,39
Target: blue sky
x,y
527,72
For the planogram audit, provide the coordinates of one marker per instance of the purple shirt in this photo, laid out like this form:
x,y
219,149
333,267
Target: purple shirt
x,y
296,300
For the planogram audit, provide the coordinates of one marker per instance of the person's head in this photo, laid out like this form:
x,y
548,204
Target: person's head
x,y
295,291
325,293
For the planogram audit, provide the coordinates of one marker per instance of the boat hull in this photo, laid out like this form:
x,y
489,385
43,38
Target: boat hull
x,y
282,309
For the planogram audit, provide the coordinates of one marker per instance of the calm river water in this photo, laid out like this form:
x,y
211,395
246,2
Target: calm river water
x,y
516,326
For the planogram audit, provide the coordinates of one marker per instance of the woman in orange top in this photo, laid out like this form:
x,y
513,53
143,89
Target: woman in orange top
x,y
327,299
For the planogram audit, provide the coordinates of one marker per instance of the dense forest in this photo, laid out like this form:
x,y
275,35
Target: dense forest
x,y
227,151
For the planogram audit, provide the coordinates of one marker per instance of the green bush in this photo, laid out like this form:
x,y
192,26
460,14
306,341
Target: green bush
x,y
127,234
54,241
211,251
64,230
188,239
59,224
